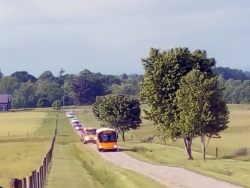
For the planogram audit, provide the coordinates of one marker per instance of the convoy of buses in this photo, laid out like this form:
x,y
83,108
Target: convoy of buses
x,y
104,138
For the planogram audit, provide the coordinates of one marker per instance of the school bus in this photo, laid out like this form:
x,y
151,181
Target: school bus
x,y
106,139
89,135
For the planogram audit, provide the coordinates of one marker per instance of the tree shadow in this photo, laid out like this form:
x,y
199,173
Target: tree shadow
x,y
242,152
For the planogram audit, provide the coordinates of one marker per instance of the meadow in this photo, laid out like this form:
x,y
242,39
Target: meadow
x,y
234,154
25,138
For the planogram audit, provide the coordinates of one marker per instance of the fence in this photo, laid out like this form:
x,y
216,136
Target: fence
x,y
37,177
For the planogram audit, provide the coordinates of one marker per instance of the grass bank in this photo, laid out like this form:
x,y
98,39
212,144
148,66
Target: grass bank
x,y
76,165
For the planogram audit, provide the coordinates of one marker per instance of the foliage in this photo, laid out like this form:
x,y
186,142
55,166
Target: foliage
x,y
81,89
163,72
56,104
202,110
24,76
43,102
26,89
121,112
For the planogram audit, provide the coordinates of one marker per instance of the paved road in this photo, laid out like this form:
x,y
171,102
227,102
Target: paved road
x,y
174,177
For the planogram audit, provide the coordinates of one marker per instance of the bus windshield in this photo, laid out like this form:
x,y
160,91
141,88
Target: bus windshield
x,y
108,137
90,132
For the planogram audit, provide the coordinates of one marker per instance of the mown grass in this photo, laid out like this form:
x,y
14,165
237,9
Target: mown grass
x,y
233,164
76,165
21,153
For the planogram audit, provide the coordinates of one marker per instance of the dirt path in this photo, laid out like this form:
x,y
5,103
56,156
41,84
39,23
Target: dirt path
x,y
173,177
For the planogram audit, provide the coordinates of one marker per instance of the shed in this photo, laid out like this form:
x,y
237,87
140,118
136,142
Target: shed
x,y
5,102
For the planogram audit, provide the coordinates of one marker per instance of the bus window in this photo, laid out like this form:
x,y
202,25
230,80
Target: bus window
x,y
90,132
108,137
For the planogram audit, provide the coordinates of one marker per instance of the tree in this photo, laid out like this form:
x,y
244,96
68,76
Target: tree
x,y
1,74
202,109
46,75
56,104
43,102
25,96
8,84
163,72
121,112
96,107
49,89
61,72
24,76
124,76
81,90
126,89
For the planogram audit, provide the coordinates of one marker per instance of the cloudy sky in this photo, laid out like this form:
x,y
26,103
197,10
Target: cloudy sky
x,y
112,36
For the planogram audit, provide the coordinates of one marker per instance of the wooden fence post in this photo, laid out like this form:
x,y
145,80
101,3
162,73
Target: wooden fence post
x,y
47,165
20,184
24,183
41,176
14,183
216,153
38,180
34,179
44,171
31,183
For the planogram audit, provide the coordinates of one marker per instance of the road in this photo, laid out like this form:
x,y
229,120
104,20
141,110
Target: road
x,y
174,177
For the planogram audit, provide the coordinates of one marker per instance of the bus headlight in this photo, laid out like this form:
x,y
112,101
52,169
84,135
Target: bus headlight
x,y
100,146
115,146
95,138
86,138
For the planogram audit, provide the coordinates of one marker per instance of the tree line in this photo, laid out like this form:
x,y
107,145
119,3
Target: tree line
x,y
29,91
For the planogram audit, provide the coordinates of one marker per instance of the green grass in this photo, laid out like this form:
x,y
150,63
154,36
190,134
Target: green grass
x,y
19,123
233,164
21,153
76,165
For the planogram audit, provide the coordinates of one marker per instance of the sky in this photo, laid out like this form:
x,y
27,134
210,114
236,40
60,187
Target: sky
x,y
112,36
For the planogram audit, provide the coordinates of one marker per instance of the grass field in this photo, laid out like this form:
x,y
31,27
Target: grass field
x,y
233,142
76,165
21,153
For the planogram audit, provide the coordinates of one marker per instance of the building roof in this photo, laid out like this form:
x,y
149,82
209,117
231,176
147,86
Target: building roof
x,y
104,129
5,98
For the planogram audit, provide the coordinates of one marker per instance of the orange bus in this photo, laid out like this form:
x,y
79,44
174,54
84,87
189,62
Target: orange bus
x,y
89,135
106,139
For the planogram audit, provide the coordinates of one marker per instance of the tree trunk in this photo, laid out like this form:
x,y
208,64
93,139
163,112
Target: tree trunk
x,y
203,147
123,136
188,144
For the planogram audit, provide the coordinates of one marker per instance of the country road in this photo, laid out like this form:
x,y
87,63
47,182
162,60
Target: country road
x,y
173,177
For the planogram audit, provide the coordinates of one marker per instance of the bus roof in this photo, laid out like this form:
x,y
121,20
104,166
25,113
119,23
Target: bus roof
x,y
104,129
90,128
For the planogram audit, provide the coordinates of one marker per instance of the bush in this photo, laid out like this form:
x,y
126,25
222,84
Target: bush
x,y
56,105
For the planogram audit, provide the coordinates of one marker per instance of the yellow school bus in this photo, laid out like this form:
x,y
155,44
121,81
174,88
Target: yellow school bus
x,y
106,139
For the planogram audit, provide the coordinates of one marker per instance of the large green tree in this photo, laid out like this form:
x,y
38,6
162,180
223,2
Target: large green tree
x,y
81,88
203,112
121,112
163,72
24,76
